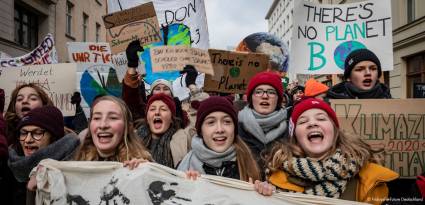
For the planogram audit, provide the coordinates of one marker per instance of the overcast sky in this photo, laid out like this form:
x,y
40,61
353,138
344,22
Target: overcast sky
x,y
229,21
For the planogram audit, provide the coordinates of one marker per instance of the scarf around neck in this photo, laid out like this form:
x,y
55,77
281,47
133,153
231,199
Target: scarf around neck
x,y
159,148
200,155
378,91
328,177
61,149
265,128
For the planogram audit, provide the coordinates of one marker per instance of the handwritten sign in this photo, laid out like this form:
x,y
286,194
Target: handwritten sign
x,y
397,125
324,35
165,58
96,75
57,80
233,70
45,53
135,23
190,13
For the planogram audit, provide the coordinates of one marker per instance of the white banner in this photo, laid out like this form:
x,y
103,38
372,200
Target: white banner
x,y
45,53
96,74
323,35
57,80
191,13
110,183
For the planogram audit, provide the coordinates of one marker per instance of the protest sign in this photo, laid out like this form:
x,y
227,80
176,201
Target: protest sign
x,y
323,35
166,58
45,53
57,80
88,182
190,13
396,125
233,70
96,74
139,22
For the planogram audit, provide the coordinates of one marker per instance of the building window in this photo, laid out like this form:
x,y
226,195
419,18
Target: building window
x,y
85,26
415,72
69,8
97,32
410,10
26,28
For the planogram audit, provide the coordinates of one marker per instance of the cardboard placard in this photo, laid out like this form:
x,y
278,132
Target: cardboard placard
x,y
45,53
166,58
233,70
324,35
139,22
190,13
57,80
397,125
96,75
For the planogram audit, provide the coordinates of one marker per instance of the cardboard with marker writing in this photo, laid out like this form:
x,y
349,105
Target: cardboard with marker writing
x,y
57,80
396,125
166,58
139,22
233,70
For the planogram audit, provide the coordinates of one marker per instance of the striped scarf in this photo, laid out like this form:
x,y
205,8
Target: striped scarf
x,y
327,177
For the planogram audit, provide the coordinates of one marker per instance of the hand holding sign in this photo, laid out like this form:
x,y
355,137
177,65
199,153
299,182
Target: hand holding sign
x,y
131,53
191,74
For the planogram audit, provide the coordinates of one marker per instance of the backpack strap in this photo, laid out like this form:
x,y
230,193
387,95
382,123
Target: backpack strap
x,y
350,192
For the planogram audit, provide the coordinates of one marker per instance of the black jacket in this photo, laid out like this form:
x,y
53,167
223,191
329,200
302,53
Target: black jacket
x,y
259,150
346,90
228,169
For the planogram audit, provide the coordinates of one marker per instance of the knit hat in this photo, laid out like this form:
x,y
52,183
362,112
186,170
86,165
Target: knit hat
x,y
47,117
268,78
357,56
306,104
213,104
162,81
296,89
314,88
164,98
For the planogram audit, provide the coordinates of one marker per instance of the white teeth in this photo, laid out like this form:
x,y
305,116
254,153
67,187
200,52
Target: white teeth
x,y
219,138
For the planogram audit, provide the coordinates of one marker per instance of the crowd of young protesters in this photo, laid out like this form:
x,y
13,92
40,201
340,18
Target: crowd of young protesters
x,y
285,140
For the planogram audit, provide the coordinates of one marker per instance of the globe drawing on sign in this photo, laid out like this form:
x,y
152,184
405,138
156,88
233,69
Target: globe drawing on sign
x,y
93,83
267,43
341,52
234,72
173,34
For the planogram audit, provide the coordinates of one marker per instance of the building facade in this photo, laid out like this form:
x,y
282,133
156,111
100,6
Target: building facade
x,y
408,22
24,23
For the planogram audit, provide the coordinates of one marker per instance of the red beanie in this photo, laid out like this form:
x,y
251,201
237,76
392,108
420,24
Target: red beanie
x,y
47,117
268,78
306,104
164,98
214,104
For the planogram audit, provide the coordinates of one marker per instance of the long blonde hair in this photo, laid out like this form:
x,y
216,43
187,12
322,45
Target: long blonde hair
x,y
130,147
351,146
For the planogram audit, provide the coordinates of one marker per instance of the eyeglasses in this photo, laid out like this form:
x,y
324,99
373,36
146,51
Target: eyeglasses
x,y
35,134
270,92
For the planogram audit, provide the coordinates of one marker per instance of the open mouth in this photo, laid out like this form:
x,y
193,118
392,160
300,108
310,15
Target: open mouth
x,y
157,123
367,82
265,104
30,149
315,136
104,137
220,140
25,110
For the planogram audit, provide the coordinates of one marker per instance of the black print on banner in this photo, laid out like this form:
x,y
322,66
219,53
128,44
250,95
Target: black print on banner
x,y
111,194
76,199
158,195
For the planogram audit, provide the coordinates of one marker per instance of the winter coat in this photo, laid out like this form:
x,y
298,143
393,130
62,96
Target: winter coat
x,y
371,186
180,145
259,150
346,90
228,169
